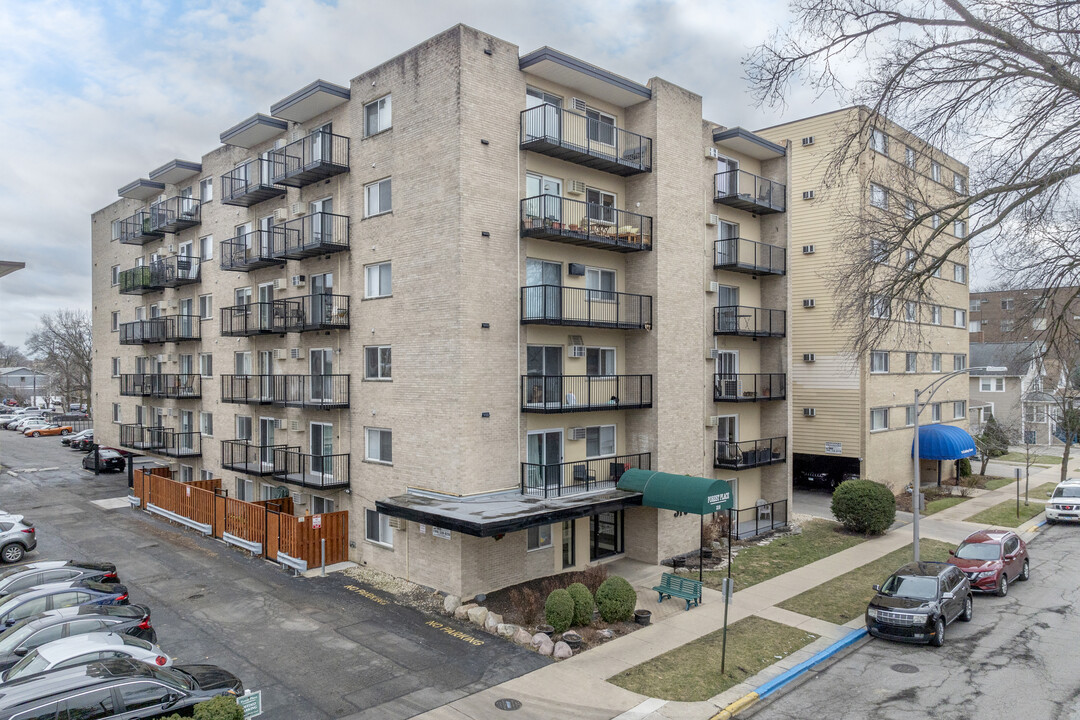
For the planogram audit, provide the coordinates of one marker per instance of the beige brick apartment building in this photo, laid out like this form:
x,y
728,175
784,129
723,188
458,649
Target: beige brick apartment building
x,y
854,415
459,298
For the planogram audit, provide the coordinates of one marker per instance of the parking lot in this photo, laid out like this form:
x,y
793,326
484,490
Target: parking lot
x,y
316,648
1016,655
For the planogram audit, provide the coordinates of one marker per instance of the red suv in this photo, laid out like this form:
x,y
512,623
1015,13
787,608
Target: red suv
x,y
992,559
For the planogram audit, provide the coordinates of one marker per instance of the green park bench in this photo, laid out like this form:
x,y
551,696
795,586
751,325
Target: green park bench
x,y
672,585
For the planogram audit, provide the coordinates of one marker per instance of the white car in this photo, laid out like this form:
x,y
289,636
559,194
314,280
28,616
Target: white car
x,y
87,648
30,424
1064,503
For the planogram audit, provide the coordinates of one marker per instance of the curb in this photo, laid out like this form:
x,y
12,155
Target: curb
x,y
778,682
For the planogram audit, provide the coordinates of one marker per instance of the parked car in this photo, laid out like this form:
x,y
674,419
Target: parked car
x,y
25,423
46,572
53,429
115,688
33,632
991,559
35,601
83,649
69,439
108,460
17,537
1064,503
84,444
918,601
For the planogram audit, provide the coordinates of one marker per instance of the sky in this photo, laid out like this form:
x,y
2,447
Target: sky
x,y
97,94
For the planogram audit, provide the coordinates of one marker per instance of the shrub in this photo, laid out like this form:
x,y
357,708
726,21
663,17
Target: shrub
x,y
864,506
223,707
965,467
616,599
528,603
559,610
583,603
593,577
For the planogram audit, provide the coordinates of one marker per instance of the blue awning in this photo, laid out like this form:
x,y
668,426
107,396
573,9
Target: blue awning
x,y
944,442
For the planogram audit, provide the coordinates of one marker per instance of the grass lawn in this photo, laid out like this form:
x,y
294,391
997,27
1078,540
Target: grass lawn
x,y
845,598
818,539
941,503
1004,513
995,483
691,673
1038,459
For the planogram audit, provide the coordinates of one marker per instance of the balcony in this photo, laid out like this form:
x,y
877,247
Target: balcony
x,y
242,456
143,332
746,191
253,250
174,214
310,159
142,437
550,217
180,444
571,136
580,476
182,328
315,234
321,472
161,385
140,280
750,454
749,387
136,229
249,184
177,270
325,392
749,321
315,312
259,318
581,393
750,257
579,307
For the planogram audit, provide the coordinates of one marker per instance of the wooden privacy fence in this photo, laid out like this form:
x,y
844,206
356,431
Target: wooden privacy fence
x,y
268,523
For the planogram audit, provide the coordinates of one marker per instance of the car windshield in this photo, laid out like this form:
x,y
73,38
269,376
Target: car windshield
x,y
14,636
978,551
173,676
32,663
917,588
1067,492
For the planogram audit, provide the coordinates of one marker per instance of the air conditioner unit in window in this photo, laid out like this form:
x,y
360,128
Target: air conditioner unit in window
x,y
280,284
577,433
297,208
712,287
711,152
295,426
808,195
712,421
808,303
280,353
808,249
712,354
578,105
576,351
809,357
296,354
809,412
299,498
575,187
398,524
281,215
279,424
298,280
808,140
172,248
712,219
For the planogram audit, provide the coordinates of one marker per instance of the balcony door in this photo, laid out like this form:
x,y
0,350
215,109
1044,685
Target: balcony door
x,y
185,324
321,149
727,433
266,440
187,431
727,370
545,123
601,206
545,452
321,365
265,239
266,375
605,535
600,295
322,448
727,179
185,268
544,368
727,300
187,203
543,302
546,198
322,301
727,252
320,222
266,306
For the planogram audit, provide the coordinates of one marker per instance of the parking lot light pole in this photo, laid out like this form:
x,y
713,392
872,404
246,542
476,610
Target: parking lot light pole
x,y
916,487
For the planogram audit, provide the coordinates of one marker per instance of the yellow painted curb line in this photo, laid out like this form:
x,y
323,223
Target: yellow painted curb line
x,y
736,707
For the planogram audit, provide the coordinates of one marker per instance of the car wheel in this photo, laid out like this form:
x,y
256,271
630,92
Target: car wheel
x,y
1050,521
35,434
63,432
12,553
1025,574
939,633
1003,585
968,608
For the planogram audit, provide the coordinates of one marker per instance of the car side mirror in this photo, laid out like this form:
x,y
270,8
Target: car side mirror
x,y
21,652
170,700
877,588
952,552
947,596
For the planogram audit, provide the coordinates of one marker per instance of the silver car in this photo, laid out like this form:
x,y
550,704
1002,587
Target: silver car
x,y
17,537
87,648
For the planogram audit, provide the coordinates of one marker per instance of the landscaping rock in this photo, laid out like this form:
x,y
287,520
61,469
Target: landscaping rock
x,y
478,615
492,622
522,637
542,644
507,630
451,603
606,633
561,651
462,612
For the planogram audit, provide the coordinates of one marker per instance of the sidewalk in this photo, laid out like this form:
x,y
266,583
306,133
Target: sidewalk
x,y
578,687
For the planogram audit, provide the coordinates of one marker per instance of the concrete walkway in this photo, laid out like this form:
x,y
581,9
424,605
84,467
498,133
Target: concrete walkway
x,y
578,687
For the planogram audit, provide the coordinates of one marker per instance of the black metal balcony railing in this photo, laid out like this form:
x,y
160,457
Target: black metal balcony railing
x,y
316,157
315,234
746,191
175,214
749,387
758,519
248,389
140,280
136,229
142,437
302,391
576,222
749,321
567,135
579,393
181,444
750,257
243,456
316,312
181,328
253,250
750,453
249,183
177,270
142,332
579,476
258,318
323,472
161,385
579,307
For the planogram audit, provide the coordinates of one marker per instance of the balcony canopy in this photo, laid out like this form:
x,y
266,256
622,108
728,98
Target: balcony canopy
x,y
566,70
256,130
682,493
944,442
310,101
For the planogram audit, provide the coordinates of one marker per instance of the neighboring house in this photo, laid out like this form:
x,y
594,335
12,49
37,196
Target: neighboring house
x,y
1023,398
22,381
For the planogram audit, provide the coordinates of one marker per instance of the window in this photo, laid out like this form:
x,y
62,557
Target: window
x,y
935,221
909,208
1035,413
935,412
600,361
600,441
879,197
601,126
142,695
377,116
115,275
379,445
935,362
243,427
1038,323
116,412
879,142
600,205
975,326
206,307
206,424
959,183
539,537
935,170
992,384
1007,304
960,318
959,409
377,362
84,706
935,314
959,362
959,228
879,361
909,416
116,322
206,364
879,251
879,419
879,307
187,473
378,528
206,190
974,305
377,198
206,248
911,311
116,229
909,260
116,367
377,280
911,362
909,157
936,272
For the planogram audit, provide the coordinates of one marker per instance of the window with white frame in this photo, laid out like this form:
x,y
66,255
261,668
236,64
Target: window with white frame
x,y
600,361
959,362
879,361
936,272
959,273
377,280
911,311
959,183
206,248
879,307
991,384
116,322
377,116
377,198
206,189
116,367
959,409
959,228
116,229
879,196
539,537
911,362
601,126
935,412
879,250
1007,304
377,528
935,314
206,475
909,260
206,364
975,326
909,157
379,445
935,362
909,208
115,275
960,318
206,424
1034,412
243,427
1038,323
187,473
206,307
116,412
377,362
935,170
320,505
879,419
879,141
909,415
600,441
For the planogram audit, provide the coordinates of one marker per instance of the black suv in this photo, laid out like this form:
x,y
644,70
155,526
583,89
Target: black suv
x,y
126,689
918,601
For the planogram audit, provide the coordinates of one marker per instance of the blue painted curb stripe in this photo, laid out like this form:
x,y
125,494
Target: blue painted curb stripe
x,y
784,678
1039,525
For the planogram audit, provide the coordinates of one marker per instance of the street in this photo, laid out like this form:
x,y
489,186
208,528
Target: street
x,y
1017,654
316,648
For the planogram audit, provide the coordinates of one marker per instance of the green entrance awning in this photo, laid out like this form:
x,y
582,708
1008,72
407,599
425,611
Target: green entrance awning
x,y
682,493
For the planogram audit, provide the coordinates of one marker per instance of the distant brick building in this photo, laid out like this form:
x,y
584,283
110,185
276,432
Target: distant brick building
x,y
1020,315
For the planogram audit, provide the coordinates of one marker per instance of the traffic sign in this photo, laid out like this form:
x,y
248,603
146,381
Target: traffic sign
x,y
251,702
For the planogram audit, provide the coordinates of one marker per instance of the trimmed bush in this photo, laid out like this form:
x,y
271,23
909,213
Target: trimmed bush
x,y
616,599
864,506
965,467
223,707
559,610
583,603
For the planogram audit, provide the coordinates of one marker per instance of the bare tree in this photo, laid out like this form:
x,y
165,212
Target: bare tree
x,y
12,356
994,82
63,348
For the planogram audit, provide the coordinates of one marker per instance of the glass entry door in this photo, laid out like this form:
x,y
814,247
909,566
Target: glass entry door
x,y
605,535
544,368
266,375
544,455
542,123
322,302
322,367
266,439
543,302
322,448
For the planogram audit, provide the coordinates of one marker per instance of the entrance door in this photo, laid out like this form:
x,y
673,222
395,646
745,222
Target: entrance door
x,y
321,227
543,302
542,123
605,535
544,367
322,448
321,364
266,375
266,439
569,540
544,455
545,195
322,301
